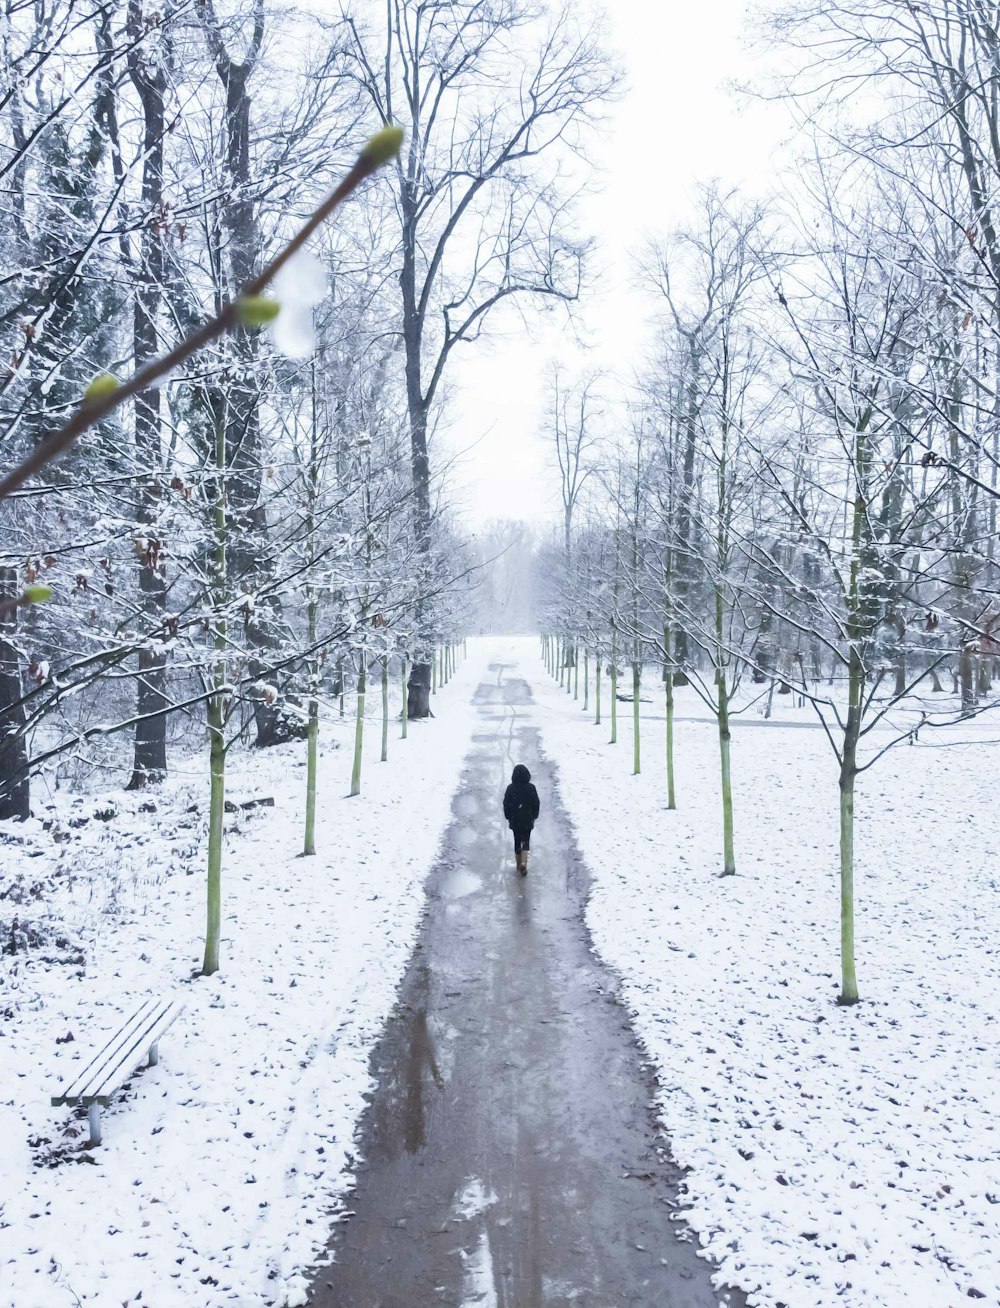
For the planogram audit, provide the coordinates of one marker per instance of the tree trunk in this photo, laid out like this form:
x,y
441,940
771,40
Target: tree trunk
x,y
217,712
149,75
848,772
359,731
729,854
418,691
984,681
683,580
312,611
967,677
216,814
668,692
852,734
586,680
15,786
597,691
899,625
385,708
309,844
636,678
419,687
312,730
248,559
403,711
614,700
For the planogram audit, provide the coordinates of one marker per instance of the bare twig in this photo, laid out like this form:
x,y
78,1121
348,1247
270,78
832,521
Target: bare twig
x,y
382,147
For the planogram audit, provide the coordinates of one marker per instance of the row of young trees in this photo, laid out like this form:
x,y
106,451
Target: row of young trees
x,y
235,545
800,495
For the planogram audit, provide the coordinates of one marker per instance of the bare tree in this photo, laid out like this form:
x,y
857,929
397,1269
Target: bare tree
x,y
710,277
149,58
481,217
573,414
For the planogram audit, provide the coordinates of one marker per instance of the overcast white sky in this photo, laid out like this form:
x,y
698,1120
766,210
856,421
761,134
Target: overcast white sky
x,y
677,124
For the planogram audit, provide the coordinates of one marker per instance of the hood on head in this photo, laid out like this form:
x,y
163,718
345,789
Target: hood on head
x,y
520,773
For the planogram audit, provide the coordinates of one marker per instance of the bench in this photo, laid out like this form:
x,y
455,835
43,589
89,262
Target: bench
x,y
112,1066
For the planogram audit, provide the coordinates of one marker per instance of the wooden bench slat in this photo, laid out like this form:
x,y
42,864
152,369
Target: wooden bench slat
x,y
71,1089
139,1037
127,1064
109,1055
113,1065
119,1059
126,1057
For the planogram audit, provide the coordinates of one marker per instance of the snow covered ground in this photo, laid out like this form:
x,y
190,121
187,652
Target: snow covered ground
x,y
838,1156
221,1165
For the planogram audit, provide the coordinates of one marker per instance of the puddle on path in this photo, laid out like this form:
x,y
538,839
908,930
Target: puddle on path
x,y
458,883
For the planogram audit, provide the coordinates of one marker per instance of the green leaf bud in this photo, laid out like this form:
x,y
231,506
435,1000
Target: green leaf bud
x,y
383,146
257,310
101,388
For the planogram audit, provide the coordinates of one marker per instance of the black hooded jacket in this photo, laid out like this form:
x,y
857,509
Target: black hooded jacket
x,y
520,802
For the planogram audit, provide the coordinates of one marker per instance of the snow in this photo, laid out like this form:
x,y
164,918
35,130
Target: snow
x,y
222,1167
472,1202
838,1156
299,286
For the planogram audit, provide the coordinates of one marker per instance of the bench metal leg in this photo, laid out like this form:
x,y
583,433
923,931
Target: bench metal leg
x,y
94,1117
154,1054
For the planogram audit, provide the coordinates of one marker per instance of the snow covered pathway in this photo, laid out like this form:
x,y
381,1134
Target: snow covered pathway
x,y
510,1157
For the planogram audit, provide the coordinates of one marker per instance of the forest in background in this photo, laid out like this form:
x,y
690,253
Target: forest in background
x,y
795,491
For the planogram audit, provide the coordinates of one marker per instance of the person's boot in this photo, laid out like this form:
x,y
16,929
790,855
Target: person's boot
x,y
524,862
517,859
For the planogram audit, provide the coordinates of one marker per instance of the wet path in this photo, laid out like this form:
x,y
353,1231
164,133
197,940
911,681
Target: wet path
x,y
510,1157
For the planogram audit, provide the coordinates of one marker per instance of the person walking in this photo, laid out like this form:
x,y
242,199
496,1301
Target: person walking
x,y
521,807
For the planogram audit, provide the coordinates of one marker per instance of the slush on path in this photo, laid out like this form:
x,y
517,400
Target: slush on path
x,y
510,1157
